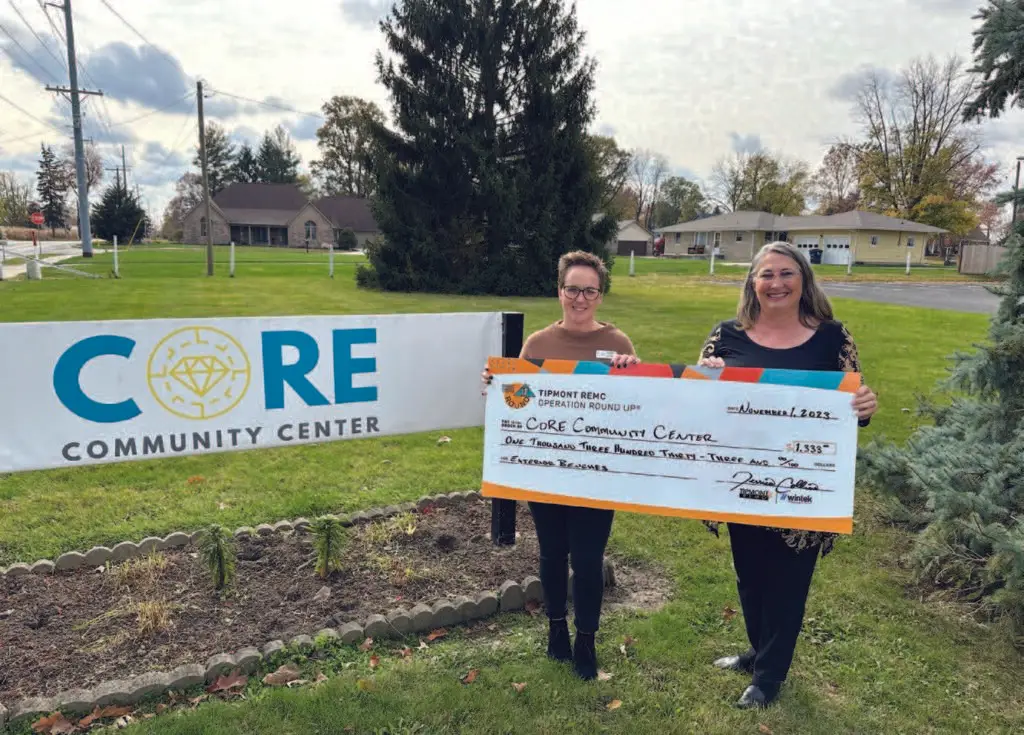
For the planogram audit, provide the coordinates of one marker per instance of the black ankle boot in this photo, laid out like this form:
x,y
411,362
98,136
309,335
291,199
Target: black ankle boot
x,y
584,656
558,641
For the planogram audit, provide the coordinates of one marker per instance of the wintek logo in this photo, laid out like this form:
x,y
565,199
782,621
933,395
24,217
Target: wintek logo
x,y
517,395
198,372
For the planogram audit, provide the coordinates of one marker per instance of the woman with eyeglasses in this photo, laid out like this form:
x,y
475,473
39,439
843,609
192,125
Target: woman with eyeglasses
x,y
570,534
784,321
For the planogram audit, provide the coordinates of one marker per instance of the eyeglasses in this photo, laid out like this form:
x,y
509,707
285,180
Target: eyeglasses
x,y
590,293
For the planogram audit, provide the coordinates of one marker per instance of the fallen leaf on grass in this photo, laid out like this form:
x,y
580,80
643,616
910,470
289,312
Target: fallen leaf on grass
x,y
764,729
405,652
99,714
123,722
437,635
55,724
297,683
234,680
161,708
222,506
196,701
728,613
423,645
195,479
320,678
470,677
533,607
519,687
366,645
282,676
623,649
444,440
614,705
374,660
364,685
604,676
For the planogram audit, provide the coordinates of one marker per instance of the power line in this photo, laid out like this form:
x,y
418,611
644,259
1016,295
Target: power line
x,y
264,103
29,56
23,111
154,112
24,137
56,31
60,63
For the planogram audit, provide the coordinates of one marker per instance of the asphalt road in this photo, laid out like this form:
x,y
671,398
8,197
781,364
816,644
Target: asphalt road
x,y
947,296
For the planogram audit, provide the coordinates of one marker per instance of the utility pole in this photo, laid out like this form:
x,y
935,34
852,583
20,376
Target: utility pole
x,y
124,167
206,181
1016,193
76,121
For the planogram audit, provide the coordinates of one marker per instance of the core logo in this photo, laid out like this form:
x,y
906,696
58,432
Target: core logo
x,y
198,372
517,395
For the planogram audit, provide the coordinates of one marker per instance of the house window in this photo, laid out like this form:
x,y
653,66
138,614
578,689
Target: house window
x,y
679,237
718,239
310,230
700,239
910,242
202,227
874,240
739,237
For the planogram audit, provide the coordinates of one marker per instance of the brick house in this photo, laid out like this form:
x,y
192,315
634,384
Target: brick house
x,y
279,215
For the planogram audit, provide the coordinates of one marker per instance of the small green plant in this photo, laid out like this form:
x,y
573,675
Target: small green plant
x,y
217,549
328,538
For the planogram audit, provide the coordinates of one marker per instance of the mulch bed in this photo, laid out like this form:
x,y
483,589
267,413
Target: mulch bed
x,y
77,629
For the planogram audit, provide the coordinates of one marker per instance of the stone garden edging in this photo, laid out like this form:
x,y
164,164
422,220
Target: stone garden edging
x,y
510,597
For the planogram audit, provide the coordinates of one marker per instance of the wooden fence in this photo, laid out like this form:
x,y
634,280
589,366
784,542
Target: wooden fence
x,y
980,259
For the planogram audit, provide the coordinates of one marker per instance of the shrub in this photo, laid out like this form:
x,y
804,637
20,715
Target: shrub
x,y
328,539
217,550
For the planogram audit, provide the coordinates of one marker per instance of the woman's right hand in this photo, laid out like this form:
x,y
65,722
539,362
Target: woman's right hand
x,y
486,377
711,362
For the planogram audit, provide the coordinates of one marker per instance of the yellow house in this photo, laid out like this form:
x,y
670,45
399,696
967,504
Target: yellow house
x,y
859,237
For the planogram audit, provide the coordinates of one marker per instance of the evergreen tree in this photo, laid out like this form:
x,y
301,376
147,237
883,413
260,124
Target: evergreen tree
x,y
220,158
119,213
246,169
278,161
962,478
489,177
51,185
998,59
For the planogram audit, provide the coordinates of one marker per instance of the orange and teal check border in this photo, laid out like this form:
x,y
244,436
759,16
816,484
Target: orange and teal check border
x,y
824,380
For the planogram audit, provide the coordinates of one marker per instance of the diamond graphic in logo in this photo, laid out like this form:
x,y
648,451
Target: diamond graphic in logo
x,y
198,372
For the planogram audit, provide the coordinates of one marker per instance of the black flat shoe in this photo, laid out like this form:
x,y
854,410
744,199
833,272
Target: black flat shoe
x,y
743,663
753,698
559,648
584,656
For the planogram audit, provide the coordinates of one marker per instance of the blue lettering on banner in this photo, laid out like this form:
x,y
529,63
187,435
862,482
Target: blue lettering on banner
x,y
68,386
346,366
276,373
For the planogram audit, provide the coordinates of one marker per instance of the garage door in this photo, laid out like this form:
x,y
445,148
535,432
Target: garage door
x,y
632,246
836,250
805,243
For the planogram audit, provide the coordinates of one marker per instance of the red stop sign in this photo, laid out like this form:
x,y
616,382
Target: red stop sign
x,y
37,218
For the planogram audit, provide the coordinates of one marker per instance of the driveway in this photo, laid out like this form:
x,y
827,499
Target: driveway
x,y
947,296
52,252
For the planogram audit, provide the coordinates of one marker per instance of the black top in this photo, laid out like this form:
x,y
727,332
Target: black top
x,y
830,348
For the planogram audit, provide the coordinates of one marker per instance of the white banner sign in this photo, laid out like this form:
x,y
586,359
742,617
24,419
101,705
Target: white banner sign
x,y
79,393
764,453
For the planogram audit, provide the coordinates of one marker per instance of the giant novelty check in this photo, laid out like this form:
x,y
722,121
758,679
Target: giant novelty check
x,y
747,445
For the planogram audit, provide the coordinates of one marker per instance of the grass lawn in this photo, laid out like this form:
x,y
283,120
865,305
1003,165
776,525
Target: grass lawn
x,y
873,658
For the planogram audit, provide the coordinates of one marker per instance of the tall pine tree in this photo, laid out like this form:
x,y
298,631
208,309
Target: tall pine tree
x,y
278,161
220,158
962,477
246,169
488,179
52,187
119,213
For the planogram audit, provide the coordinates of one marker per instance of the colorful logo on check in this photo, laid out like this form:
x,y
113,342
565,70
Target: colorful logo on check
x,y
517,395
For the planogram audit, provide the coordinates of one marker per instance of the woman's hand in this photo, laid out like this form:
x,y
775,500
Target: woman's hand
x,y
865,402
623,361
486,377
711,362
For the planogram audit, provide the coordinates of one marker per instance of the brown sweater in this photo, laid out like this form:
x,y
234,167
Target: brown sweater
x,y
558,343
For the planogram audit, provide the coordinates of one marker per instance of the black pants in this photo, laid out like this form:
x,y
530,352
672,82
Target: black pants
x,y
581,534
772,580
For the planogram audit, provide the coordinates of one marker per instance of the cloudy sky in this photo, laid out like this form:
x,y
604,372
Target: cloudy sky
x,y
692,79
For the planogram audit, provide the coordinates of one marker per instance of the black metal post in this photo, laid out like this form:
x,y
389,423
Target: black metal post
x,y
503,512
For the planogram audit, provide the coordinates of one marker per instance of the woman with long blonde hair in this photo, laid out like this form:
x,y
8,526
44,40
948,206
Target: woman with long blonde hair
x,y
784,321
